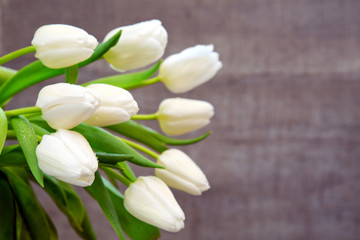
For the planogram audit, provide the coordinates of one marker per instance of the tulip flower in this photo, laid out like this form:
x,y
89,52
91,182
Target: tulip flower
x,y
66,105
61,46
181,172
190,68
178,116
67,156
117,105
139,45
150,200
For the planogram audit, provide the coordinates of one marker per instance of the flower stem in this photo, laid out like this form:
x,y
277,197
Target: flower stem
x,y
116,175
145,116
6,73
72,74
19,111
140,148
18,53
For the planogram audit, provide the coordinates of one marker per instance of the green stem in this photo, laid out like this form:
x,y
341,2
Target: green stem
x,y
18,53
116,175
140,148
19,111
145,116
10,134
72,74
6,73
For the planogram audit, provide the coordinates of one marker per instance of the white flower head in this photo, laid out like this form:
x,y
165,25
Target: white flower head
x,y
61,46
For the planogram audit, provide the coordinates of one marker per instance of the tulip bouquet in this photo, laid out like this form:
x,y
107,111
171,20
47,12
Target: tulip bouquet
x,y
86,135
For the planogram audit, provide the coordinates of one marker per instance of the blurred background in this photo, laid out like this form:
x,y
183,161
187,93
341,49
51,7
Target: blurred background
x,y
284,159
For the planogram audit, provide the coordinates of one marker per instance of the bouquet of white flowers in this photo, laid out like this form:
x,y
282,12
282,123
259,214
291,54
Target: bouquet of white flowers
x,y
73,131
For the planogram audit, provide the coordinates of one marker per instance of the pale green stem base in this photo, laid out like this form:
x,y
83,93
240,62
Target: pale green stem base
x,y
145,116
149,82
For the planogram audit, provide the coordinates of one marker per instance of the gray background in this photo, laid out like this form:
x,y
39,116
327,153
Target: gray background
x,y
284,159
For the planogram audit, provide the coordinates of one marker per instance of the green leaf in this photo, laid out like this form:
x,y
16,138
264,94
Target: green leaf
x,y
140,133
7,210
36,72
42,126
133,227
101,49
67,200
3,128
6,74
98,191
22,233
150,137
104,141
34,215
127,81
28,142
12,157
40,131
112,158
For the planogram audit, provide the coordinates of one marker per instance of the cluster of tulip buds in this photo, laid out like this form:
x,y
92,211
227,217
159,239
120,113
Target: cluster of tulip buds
x,y
75,120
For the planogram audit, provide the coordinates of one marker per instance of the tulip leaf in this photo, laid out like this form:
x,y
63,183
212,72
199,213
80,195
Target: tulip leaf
x,y
7,209
140,133
133,227
12,157
174,141
28,142
101,49
127,81
104,141
112,158
42,127
36,72
98,191
6,74
35,218
67,200
149,136
40,131
3,128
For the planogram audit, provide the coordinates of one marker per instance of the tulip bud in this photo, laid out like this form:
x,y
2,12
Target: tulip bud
x,y
117,105
139,45
150,200
61,46
66,105
181,172
190,68
67,156
177,116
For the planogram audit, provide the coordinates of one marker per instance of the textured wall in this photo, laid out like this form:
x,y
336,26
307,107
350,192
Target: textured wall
x,y
284,159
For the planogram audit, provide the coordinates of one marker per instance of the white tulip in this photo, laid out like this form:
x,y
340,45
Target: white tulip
x,y
150,200
139,45
67,156
178,116
61,46
66,105
181,172
117,105
190,68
